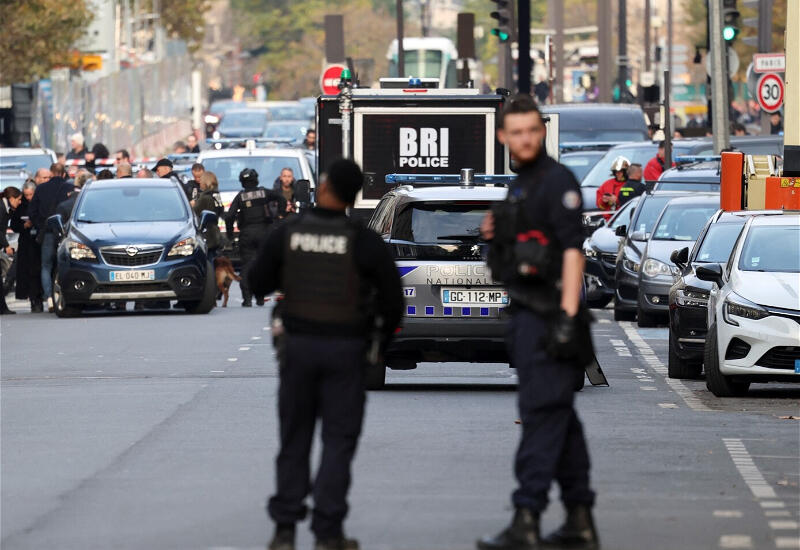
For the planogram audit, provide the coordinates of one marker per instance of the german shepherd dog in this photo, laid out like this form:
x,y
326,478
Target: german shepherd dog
x,y
223,269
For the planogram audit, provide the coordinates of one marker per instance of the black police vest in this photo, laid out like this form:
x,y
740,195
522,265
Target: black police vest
x,y
321,282
254,209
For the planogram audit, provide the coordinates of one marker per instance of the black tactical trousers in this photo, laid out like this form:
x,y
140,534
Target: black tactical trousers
x,y
251,238
320,377
552,445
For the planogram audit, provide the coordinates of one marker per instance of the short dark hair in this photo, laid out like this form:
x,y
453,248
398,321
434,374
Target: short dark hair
x,y
57,169
517,105
198,166
125,154
662,144
105,174
634,165
345,179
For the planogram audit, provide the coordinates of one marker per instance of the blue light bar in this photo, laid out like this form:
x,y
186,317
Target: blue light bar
x,y
183,158
686,159
448,179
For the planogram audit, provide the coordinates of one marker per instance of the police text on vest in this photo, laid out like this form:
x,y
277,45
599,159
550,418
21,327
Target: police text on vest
x,y
325,244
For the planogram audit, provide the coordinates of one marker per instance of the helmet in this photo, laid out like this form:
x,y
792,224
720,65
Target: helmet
x,y
620,164
248,178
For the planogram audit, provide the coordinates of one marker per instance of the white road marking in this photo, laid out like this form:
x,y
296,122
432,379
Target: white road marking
x,y
747,469
772,504
649,357
255,337
217,371
777,513
735,541
604,320
244,348
233,359
265,328
648,388
674,406
787,542
727,513
783,524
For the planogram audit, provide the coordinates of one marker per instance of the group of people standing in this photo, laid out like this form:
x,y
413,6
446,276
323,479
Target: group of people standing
x,y
626,181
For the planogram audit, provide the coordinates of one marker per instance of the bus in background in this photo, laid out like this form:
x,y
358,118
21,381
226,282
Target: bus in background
x,y
431,57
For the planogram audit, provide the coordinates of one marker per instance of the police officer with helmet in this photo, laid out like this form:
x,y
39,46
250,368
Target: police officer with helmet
x,y
340,287
535,250
254,209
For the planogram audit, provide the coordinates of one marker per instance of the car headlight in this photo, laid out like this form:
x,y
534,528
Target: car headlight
x,y
79,251
183,248
212,119
588,250
691,298
630,265
736,306
216,134
655,268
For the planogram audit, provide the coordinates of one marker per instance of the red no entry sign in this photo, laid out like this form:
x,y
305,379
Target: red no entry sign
x,y
770,91
329,81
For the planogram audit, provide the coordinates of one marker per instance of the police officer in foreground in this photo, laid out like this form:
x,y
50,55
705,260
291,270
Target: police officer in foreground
x,y
254,210
535,249
330,270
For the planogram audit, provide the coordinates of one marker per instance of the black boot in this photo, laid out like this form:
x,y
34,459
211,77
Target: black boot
x,y
578,531
522,534
283,538
336,543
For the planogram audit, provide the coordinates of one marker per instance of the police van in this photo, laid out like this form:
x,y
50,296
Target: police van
x,y
454,310
414,127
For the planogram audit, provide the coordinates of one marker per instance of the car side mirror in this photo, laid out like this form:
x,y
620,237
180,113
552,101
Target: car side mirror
x,y
207,219
56,224
711,273
680,257
639,236
302,191
621,230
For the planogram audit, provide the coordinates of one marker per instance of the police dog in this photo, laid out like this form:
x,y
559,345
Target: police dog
x,y
223,269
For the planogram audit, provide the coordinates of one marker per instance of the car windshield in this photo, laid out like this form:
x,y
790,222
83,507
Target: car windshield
x,y
440,222
219,107
227,170
296,131
683,222
647,212
131,203
687,186
580,164
432,67
623,215
760,252
718,242
31,163
287,112
244,119
601,136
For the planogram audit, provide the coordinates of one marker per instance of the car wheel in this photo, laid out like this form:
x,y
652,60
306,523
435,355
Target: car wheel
x,y
646,320
375,378
678,368
716,382
62,309
209,295
622,315
599,303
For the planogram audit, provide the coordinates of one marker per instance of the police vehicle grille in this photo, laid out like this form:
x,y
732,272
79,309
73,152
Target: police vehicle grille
x,y
782,357
121,258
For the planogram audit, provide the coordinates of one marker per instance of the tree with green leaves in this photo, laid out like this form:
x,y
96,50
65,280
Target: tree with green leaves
x,y
184,19
39,35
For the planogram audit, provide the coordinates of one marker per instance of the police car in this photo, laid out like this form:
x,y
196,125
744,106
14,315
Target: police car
x,y
267,161
454,309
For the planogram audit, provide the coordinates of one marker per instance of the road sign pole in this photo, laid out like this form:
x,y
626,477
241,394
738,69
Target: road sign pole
x,y
765,45
719,79
791,130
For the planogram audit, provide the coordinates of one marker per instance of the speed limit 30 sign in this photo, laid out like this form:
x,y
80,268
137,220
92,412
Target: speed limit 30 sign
x,y
769,91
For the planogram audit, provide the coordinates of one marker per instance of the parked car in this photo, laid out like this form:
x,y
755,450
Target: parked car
x,y
597,125
700,176
28,159
629,257
580,162
688,297
133,240
679,224
600,250
639,153
754,308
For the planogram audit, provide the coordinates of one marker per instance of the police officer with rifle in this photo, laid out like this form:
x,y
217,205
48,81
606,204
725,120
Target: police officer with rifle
x,y
339,283
253,209
535,249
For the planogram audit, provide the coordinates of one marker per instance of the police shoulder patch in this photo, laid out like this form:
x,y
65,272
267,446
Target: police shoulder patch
x,y
571,200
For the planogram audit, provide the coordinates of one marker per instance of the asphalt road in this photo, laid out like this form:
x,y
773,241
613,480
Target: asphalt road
x,y
158,431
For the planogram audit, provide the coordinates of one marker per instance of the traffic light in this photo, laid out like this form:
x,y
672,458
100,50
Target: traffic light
x,y
730,21
503,15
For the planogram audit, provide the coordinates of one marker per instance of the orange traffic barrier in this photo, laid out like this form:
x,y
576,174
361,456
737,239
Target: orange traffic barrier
x,y
731,190
782,193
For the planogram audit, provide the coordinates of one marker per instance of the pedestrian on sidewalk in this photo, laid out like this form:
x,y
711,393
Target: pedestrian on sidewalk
x,y
29,256
10,199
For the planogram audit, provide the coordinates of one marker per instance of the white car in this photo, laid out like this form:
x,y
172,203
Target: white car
x,y
754,308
